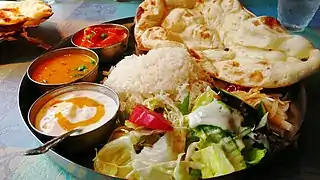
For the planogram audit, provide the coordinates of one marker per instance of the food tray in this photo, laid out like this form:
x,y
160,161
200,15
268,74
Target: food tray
x,y
81,166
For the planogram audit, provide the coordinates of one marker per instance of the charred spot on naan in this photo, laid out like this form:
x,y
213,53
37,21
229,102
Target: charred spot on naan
x,y
272,23
6,19
139,13
234,63
304,59
205,35
180,3
256,76
194,54
263,62
228,65
160,34
234,68
200,37
166,11
238,72
13,10
188,14
200,1
256,23
240,81
152,2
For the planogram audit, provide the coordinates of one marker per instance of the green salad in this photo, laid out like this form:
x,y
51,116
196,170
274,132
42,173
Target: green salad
x,y
161,139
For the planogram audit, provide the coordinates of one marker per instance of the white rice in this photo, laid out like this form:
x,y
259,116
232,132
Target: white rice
x,y
136,78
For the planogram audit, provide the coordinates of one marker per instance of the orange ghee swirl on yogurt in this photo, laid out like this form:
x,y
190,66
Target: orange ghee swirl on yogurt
x,y
86,109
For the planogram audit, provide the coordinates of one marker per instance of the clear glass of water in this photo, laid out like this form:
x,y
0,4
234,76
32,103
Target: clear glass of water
x,y
295,15
50,2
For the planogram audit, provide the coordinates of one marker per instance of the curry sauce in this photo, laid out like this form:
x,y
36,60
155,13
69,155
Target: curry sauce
x,y
63,68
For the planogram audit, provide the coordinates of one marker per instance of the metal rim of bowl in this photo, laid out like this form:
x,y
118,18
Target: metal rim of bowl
x,y
58,50
108,46
117,101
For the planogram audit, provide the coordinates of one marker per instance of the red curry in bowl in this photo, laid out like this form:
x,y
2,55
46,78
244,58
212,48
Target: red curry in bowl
x,y
99,36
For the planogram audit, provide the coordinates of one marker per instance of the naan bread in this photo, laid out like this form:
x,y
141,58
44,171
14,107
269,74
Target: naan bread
x,y
16,15
262,55
229,42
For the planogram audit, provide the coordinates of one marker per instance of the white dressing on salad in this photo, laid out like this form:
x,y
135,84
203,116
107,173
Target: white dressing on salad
x,y
217,114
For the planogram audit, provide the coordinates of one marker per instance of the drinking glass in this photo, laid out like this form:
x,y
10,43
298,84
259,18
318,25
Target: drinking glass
x,y
50,2
295,15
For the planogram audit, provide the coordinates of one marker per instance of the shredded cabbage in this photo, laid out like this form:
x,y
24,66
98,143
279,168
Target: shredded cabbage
x,y
172,113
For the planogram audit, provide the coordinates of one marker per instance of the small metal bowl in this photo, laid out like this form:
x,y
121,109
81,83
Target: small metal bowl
x,y
90,76
79,142
111,53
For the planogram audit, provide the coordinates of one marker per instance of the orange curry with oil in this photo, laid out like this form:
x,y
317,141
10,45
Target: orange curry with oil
x,y
63,68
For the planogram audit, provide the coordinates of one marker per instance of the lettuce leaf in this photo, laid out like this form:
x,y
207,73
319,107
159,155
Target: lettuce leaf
x,y
114,159
159,153
204,99
164,159
254,155
184,106
177,169
164,150
132,125
196,173
214,161
181,172
263,121
212,134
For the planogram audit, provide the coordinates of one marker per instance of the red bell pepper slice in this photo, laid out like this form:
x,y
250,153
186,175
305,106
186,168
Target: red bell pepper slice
x,y
145,117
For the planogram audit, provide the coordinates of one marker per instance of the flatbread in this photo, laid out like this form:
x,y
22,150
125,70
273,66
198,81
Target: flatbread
x,y
16,15
228,41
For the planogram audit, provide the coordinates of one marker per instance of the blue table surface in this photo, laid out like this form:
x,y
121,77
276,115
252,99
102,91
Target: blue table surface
x,y
42,168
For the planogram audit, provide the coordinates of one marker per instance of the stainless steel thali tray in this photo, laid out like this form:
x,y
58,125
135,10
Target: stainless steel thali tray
x,y
81,165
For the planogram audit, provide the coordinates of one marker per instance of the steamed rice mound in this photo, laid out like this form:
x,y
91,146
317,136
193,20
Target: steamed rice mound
x,y
168,70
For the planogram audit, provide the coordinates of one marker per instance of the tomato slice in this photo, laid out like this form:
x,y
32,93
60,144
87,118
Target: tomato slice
x,y
145,117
